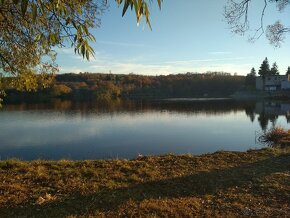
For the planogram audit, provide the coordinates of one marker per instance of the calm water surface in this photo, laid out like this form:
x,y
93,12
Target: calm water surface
x,y
124,129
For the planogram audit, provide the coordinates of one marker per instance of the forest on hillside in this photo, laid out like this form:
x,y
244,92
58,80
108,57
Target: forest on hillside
x,y
86,86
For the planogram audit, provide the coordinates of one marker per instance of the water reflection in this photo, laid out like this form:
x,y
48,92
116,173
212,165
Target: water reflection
x,y
119,106
89,130
268,113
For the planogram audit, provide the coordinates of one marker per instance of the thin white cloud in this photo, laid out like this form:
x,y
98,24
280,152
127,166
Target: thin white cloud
x,y
123,44
70,69
220,52
207,60
125,68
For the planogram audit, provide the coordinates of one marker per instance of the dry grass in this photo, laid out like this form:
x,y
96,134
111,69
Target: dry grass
x,y
276,137
222,184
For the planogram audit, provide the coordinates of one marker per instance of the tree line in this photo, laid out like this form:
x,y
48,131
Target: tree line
x,y
111,86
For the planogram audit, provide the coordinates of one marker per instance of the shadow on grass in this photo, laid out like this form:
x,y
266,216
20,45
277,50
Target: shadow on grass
x,y
199,184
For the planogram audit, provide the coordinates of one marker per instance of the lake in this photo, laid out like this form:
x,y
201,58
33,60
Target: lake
x,y
124,129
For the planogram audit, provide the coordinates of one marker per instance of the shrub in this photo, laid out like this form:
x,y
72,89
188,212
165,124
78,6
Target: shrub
x,y
276,137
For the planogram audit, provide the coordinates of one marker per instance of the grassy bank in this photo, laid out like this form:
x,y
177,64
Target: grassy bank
x,y
255,183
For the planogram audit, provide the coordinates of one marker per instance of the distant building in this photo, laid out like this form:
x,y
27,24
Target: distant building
x,y
273,83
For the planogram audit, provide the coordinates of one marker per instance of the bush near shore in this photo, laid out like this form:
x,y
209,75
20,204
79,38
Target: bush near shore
x,y
276,137
222,184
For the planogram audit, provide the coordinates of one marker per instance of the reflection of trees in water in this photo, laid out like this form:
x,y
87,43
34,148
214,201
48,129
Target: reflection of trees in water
x,y
269,112
288,118
214,107
264,120
250,112
62,105
273,119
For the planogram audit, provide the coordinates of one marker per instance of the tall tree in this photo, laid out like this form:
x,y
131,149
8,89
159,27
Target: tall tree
x,y
31,29
250,80
274,69
288,71
264,68
253,72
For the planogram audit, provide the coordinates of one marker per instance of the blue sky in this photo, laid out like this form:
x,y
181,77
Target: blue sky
x,y
187,36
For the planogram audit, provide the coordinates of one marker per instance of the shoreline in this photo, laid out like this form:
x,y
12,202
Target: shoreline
x,y
224,183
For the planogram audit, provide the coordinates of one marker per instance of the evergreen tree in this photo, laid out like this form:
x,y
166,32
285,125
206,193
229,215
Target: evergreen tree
x,y
253,72
274,70
250,81
265,68
288,71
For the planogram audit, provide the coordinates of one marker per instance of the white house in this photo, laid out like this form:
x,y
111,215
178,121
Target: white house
x,y
273,83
